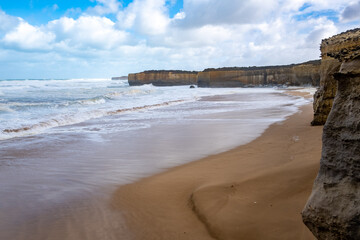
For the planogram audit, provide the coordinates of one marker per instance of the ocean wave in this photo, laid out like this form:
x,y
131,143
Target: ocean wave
x,y
5,108
27,104
65,120
129,92
92,101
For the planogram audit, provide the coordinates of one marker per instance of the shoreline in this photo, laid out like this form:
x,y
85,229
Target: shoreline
x,y
249,192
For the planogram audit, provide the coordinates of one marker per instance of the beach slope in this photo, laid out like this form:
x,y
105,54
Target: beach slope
x,y
255,191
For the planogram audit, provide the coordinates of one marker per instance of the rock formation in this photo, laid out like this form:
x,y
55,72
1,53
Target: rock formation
x,y
295,75
333,209
163,78
324,96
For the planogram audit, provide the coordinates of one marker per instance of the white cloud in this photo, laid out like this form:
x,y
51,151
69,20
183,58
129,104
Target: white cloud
x,y
28,37
149,17
8,22
105,7
87,32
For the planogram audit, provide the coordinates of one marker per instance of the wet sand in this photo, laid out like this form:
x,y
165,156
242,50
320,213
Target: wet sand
x,y
255,191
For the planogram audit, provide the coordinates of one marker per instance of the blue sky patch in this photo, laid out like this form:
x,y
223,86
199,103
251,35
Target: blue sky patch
x,y
174,8
329,14
305,6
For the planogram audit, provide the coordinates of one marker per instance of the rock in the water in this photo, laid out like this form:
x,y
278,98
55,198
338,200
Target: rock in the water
x,y
333,209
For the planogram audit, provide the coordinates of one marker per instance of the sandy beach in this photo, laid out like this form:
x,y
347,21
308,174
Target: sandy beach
x,y
254,191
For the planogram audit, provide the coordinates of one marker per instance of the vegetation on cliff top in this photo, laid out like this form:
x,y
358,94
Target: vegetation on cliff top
x,y
172,71
312,62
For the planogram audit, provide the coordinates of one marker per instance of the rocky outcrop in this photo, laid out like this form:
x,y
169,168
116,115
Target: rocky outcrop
x,y
295,75
333,209
163,78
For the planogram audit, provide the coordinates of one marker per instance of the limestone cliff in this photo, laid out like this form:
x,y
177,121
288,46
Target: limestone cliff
x,y
296,74
333,209
163,78
324,96
330,49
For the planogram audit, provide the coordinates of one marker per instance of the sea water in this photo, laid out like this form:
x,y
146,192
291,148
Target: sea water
x,y
65,142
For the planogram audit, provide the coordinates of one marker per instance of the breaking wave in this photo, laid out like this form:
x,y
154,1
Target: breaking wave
x,y
64,120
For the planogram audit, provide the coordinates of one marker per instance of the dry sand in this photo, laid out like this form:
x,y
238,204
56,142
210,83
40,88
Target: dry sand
x,y
255,191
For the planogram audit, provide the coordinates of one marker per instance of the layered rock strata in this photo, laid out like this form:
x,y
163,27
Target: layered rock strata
x,y
295,75
330,50
163,78
324,96
333,209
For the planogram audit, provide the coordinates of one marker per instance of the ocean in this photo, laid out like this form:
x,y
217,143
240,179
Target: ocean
x,y
66,145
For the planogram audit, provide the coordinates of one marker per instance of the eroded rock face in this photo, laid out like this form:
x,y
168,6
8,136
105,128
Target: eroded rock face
x,y
324,96
346,46
294,75
163,78
333,209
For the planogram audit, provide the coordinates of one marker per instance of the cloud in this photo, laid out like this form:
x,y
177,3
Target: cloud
x,y
87,32
149,17
351,12
28,37
64,34
110,39
213,12
8,22
323,29
104,7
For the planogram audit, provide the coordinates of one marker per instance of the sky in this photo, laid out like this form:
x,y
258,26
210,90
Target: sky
x,y
105,38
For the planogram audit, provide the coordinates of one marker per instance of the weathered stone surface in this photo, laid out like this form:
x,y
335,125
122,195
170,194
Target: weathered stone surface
x,y
324,96
163,78
333,209
294,75
342,46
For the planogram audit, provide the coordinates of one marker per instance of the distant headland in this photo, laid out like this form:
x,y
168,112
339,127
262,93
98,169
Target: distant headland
x,y
306,73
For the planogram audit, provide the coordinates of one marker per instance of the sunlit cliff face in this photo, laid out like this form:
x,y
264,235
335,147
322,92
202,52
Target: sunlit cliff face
x,y
333,210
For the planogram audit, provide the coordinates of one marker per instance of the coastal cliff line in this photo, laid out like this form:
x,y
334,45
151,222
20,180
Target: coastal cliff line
x,y
293,75
333,209
163,78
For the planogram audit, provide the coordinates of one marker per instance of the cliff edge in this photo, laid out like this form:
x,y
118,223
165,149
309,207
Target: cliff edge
x,y
333,209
